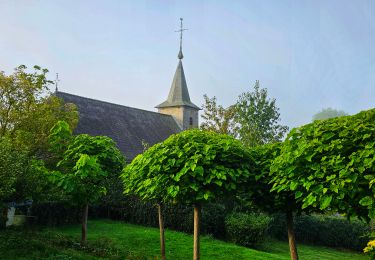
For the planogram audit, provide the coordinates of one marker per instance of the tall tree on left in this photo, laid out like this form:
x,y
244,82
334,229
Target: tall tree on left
x,y
85,163
28,110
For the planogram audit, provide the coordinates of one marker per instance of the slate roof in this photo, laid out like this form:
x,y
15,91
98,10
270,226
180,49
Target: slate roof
x,y
179,93
127,126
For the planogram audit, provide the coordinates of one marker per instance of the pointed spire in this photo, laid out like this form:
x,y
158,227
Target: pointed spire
x,y
179,93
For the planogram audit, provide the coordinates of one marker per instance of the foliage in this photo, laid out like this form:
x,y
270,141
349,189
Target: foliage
x,y
21,177
370,249
177,217
327,113
323,230
55,213
11,163
85,163
217,118
330,164
258,118
247,229
28,110
257,188
108,239
191,167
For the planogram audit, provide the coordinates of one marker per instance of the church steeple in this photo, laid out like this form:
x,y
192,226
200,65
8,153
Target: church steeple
x,y
178,103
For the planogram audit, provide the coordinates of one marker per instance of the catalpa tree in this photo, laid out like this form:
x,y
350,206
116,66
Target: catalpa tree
x,y
192,167
330,164
85,162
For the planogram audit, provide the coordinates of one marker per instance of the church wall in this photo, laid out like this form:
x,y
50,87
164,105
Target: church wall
x,y
176,112
190,118
186,117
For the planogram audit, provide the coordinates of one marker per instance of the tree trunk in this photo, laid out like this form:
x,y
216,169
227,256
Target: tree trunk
x,y
291,235
197,213
161,228
84,224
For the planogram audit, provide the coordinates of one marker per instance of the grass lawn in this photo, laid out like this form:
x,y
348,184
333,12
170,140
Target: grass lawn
x,y
115,240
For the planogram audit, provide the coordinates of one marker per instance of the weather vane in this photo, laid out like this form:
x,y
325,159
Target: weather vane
x,y
57,82
180,55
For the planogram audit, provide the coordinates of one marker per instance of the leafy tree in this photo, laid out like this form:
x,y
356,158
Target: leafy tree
x,y
217,118
11,163
85,163
28,110
330,164
327,113
258,118
192,167
20,176
257,190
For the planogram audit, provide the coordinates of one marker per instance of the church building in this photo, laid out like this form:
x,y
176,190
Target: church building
x,y
132,128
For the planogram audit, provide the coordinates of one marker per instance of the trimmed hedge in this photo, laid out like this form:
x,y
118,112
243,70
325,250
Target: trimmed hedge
x,y
247,229
55,213
176,217
332,231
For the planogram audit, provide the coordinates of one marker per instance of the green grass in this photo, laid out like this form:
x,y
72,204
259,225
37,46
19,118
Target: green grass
x,y
116,240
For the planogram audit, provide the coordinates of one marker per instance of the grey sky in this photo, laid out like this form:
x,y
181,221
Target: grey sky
x,y
308,54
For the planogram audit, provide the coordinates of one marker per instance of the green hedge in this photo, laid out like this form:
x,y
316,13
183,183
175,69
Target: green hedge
x,y
176,217
247,229
332,231
55,213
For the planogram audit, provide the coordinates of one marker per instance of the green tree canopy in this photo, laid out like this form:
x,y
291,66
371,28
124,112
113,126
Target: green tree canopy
x,y
84,165
327,113
191,167
330,164
217,118
258,118
28,110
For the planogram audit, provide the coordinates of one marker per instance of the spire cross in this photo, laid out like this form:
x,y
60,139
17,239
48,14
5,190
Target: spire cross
x,y
57,82
180,56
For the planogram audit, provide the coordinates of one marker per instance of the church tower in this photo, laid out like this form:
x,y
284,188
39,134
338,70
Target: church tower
x,y
178,103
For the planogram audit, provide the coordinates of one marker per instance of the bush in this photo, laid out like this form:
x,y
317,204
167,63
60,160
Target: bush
x,y
247,229
55,213
176,217
324,230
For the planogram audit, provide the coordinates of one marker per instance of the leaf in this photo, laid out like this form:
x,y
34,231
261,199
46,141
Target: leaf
x,y
366,201
298,194
325,202
293,185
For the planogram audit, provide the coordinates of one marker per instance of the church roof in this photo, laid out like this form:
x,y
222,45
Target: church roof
x,y
129,127
179,93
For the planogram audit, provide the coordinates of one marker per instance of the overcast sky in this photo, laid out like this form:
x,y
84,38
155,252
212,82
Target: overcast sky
x,y
308,54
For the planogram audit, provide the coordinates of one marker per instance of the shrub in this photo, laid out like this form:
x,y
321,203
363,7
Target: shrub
x,y
370,249
324,230
176,217
247,229
55,213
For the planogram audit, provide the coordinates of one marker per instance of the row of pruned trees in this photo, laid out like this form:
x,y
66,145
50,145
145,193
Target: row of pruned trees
x,y
325,165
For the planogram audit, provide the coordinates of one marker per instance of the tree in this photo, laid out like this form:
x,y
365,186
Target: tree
x,y
28,110
192,167
257,190
327,113
217,118
85,163
331,164
11,164
258,118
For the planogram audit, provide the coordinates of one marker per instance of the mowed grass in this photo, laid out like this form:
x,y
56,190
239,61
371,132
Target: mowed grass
x,y
136,242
